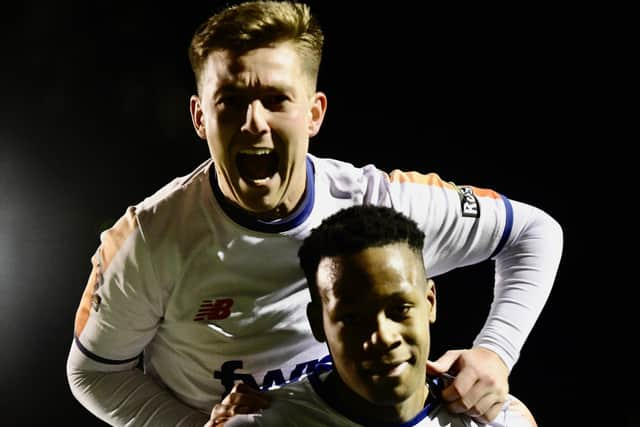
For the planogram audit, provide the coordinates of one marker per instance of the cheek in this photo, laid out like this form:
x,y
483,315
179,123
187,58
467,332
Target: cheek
x,y
219,138
294,124
419,337
339,339
222,126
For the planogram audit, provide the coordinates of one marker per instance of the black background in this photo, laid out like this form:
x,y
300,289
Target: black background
x,y
95,118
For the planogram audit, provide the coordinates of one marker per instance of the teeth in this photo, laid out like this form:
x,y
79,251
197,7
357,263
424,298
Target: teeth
x,y
256,151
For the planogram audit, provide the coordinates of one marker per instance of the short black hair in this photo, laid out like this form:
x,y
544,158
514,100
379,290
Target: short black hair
x,y
352,230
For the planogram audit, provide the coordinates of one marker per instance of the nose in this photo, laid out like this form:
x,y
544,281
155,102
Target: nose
x,y
255,122
384,336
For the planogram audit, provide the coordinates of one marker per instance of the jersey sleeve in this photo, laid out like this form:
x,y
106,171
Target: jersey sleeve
x,y
244,420
118,315
466,225
121,307
514,413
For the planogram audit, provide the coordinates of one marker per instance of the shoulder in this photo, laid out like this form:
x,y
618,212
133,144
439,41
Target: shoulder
x,y
166,213
242,420
173,204
518,412
514,413
177,190
336,168
342,180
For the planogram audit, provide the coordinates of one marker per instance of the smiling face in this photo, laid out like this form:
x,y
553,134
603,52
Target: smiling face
x,y
376,308
257,111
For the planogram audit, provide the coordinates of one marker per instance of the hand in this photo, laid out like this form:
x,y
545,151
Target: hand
x,y
481,384
242,399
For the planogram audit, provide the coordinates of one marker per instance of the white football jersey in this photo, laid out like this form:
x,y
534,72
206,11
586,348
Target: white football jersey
x,y
211,297
307,404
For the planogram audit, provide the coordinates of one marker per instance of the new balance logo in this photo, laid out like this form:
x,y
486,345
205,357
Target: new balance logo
x,y
214,310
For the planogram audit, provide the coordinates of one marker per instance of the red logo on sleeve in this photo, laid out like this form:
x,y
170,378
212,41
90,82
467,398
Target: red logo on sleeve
x,y
214,310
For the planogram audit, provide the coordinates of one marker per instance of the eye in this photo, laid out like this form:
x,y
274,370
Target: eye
x,y
399,311
274,101
230,101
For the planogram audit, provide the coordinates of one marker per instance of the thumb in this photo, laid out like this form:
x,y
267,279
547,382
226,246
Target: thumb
x,y
444,363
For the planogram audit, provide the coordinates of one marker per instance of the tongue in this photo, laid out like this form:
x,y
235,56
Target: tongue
x,y
261,166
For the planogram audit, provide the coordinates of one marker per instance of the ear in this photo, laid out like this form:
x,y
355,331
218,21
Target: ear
x,y
316,113
431,297
197,116
314,315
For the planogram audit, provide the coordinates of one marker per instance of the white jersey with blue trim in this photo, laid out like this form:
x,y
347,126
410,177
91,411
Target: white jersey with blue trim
x,y
306,403
212,297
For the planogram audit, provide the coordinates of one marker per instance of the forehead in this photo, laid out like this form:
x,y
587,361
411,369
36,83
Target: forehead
x,y
279,64
375,272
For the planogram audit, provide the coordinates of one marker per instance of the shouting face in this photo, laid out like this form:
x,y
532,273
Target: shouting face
x,y
257,111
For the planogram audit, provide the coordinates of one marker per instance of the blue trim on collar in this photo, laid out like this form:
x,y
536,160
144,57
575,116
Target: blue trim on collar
x,y
433,401
249,221
508,225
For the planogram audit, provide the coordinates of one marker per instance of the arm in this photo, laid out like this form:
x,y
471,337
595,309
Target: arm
x,y
125,396
468,225
525,271
118,315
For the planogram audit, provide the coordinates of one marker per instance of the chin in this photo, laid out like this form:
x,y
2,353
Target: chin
x,y
256,199
387,396
261,208
388,399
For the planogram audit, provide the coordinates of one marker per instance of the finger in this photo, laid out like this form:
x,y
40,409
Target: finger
x,y
219,411
222,413
444,363
218,422
473,408
240,409
241,400
246,399
244,388
486,408
241,389
460,388
256,401
491,414
434,369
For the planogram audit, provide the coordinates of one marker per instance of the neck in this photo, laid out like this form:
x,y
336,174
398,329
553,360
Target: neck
x,y
283,210
292,200
355,407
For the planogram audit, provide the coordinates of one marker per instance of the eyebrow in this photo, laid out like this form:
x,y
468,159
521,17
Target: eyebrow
x,y
232,88
357,300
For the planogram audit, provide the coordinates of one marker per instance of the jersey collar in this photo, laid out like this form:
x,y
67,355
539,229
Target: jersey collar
x,y
249,221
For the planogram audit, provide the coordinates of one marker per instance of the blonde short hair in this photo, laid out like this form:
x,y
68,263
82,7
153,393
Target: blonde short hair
x,y
256,24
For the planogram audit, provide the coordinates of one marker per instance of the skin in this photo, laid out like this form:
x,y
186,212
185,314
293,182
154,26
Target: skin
x,y
262,101
376,309
481,384
255,103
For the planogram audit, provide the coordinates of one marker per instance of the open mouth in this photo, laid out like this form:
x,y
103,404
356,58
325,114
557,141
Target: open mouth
x,y
257,164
